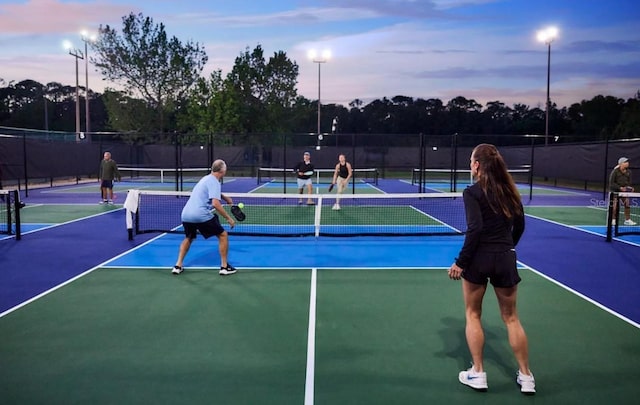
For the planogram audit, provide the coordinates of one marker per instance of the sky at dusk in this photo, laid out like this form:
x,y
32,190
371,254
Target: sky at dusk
x,y
484,50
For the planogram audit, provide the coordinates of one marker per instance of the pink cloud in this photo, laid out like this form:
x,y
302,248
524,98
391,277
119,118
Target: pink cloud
x,y
56,16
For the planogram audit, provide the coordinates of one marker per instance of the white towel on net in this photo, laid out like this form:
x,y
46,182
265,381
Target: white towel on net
x,y
131,206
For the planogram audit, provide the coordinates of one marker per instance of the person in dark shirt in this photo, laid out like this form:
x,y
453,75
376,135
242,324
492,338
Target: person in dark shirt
x,y
108,173
620,180
495,223
304,171
341,176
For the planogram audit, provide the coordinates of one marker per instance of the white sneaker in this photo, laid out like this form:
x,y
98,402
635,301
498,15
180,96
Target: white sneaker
x,y
629,222
474,379
336,207
613,222
527,383
177,270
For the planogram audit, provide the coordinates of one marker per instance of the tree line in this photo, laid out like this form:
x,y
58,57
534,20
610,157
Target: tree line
x,y
162,92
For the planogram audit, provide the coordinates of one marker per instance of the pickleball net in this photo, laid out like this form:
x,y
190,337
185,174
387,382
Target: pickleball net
x,y
10,212
458,179
320,176
617,224
311,215
163,175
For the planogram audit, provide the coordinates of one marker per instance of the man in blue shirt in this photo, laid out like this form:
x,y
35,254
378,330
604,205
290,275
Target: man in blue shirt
x,y
197,216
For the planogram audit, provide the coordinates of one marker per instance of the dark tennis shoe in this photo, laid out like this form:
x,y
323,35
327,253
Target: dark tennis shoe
x,y
225,271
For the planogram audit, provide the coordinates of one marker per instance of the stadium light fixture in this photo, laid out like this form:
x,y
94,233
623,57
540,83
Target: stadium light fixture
x,y
86,38
547,36
77,54
319,58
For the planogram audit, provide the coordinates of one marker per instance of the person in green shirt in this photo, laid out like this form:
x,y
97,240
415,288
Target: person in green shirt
x,y
620,181
108,173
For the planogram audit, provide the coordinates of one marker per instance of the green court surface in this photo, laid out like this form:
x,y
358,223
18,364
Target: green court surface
x,y
348,215
122,335
292,187
570,215
58,213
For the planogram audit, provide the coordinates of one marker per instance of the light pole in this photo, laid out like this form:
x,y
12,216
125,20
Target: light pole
x,y
319,59
86,38
547,36
76,53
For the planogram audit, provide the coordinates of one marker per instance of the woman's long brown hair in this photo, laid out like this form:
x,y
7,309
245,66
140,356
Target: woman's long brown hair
x,y
496,182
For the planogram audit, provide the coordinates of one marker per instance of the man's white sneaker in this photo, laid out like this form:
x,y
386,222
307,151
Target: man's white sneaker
x,y
177,270
474,379
629,222
527,383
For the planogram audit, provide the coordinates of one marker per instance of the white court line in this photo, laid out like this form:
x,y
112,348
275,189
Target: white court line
x,y
311,342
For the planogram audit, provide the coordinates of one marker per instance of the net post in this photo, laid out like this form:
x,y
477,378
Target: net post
x,y
317,216
610,217
7,209
18,205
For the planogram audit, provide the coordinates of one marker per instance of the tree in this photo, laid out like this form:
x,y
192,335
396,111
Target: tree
x,y
464,115
261,93
629,126
147,63
597,117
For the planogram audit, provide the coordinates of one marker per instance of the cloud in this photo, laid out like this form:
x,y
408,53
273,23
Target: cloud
x,y
301,16
605,46
56,16
413,9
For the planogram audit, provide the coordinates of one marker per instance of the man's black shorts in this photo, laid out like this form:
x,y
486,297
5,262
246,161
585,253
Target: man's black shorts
x,y
107,184
208,229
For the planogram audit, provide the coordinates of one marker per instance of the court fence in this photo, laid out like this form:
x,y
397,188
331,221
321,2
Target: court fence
x,y
31,157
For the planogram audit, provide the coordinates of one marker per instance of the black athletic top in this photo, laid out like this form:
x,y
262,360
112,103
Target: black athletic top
x,y
303,167
343,171
486,230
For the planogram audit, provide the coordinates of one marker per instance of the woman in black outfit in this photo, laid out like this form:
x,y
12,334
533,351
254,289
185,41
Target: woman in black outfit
x,y
495,223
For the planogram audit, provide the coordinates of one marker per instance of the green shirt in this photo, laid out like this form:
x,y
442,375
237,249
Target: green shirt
x,y
109,170
619,179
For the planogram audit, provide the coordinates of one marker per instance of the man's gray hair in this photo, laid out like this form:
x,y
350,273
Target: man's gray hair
x,y
218,166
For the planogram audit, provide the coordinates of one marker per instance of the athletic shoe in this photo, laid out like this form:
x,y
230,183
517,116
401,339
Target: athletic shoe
x,y
177,270
310,202
225,271
629,222
299,201
335,207
613,222
474,379
527,383
110,202
103,202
